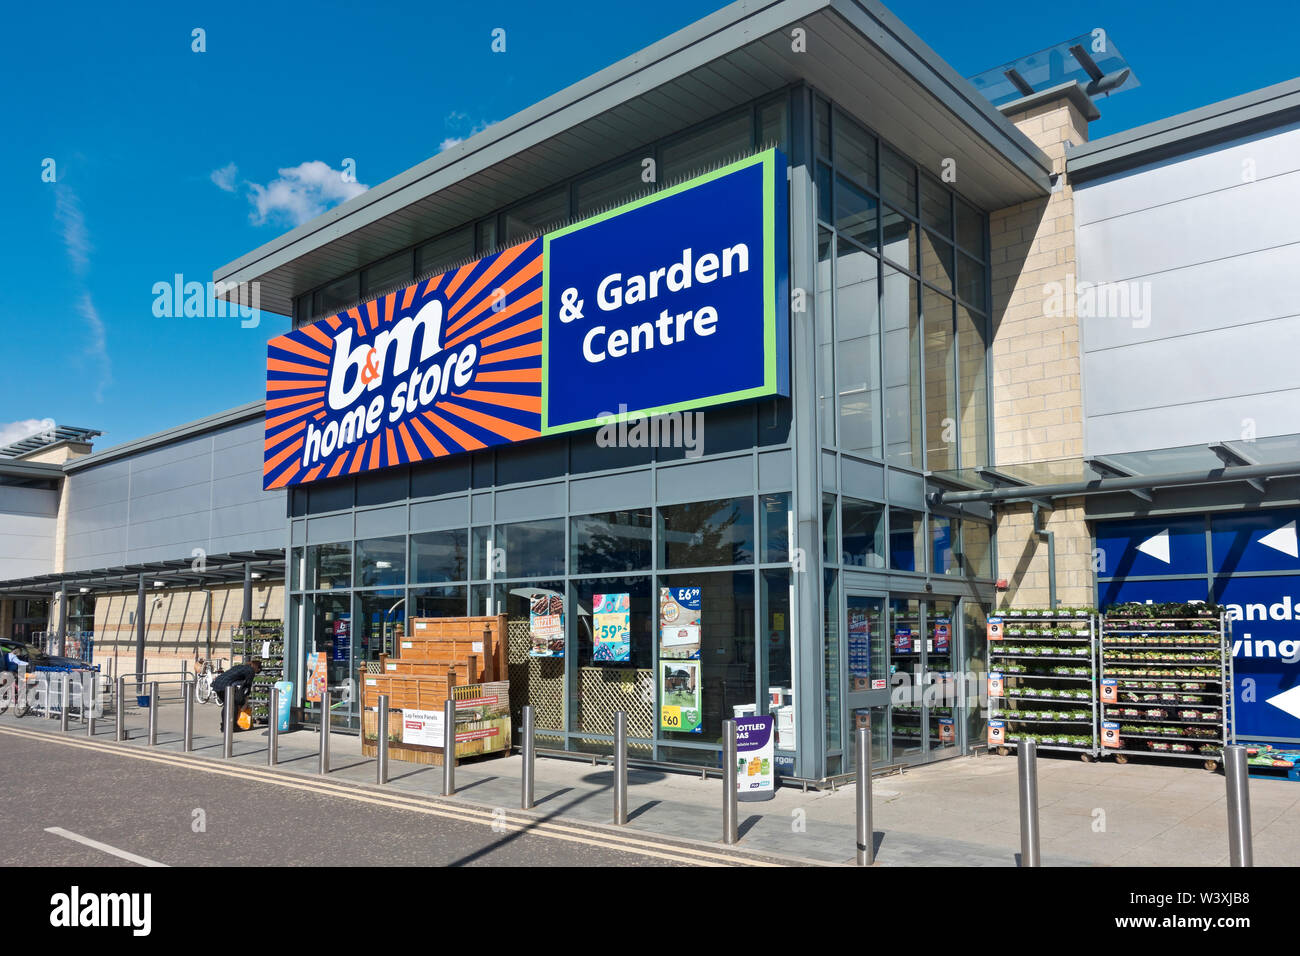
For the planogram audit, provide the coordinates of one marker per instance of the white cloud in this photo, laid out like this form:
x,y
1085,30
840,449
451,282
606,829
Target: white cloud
x,y
96,344
301,193
225,177
76,238
26,428
457,121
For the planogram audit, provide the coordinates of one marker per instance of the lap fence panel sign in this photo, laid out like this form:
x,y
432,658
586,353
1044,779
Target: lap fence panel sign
x,y
662,306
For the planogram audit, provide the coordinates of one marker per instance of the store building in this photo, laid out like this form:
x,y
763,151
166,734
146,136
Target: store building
x,y
929,420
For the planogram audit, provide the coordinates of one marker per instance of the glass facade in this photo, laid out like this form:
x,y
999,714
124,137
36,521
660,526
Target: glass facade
x,y
900,334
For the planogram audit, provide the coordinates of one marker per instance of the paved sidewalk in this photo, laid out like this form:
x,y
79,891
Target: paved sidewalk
x,y
961,812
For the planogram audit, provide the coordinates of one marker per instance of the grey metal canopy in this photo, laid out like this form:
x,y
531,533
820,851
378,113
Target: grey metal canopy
x,y
50,436
267,563
1252,462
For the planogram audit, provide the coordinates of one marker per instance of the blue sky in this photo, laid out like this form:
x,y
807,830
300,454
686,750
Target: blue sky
x,y
170,161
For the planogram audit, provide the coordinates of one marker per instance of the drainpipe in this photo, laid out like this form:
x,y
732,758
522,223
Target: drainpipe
x,y
1050,538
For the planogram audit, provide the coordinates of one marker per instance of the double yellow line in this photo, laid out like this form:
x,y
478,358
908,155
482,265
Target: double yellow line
x,y
500,821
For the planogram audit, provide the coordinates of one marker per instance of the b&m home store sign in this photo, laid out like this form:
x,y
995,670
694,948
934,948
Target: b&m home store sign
x,y
676,301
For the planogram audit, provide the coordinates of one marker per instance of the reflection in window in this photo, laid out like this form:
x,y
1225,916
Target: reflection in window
x,y
943,545
439,556
857,214
386,275
613,186
900,243
972,394
329,566
707,533
380,624
906,540
897,180
381,561
445,251
940,383
438,602
536,214
857,356
970,229
831,643
775,513
696,151
775,632
532,548
864,534
830,545
855,152
613,541
825,338
901,323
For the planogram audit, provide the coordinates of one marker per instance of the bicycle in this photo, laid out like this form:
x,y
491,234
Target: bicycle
x,y
205,674
9,692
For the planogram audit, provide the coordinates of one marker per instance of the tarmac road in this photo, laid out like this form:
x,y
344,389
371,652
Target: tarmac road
x,y
152,807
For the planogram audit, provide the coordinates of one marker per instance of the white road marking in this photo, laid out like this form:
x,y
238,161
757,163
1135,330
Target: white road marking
x,y
104,847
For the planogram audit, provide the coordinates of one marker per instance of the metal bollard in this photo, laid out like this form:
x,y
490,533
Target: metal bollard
x,y
866,835
449,747
228,726
273,729
381,741
730,809
529,754
620,768
1241,849
323,766
88,707
153,714
187,700
120,709
65,701
1027,758
49,699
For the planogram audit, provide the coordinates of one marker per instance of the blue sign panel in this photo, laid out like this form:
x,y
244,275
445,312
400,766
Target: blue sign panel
x,y
676,303
1152,546
1261,541
1265,653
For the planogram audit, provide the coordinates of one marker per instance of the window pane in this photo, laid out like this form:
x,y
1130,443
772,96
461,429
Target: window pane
x,y
387,275
537,214
728,634
605,687
337,296
611,187
970,229
864,534
438,602
900,240
902,369
381,624
775,631
775,512
381,561
943,541
825,338
976,549
485,236
706,533
773,125
906,540
439,556
614,541
445,251
822,120
975,630
825,193
936,207
830,537
480,541
296,572
855,152
329,566
831,642
897,180
970,280
936,261
532,548
692,154
940,384
857,352
857,214
972,399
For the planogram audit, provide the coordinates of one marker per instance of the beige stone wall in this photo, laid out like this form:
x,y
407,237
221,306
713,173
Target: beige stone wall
x,y
177,620
1037,393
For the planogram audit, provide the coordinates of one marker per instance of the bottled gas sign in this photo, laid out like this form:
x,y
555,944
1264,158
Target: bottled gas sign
x,y
674,302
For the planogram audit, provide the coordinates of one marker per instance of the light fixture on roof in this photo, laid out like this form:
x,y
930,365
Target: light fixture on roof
x,y
160,584
84,590
256,575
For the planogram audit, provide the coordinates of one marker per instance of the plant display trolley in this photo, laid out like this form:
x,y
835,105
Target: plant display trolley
x,y
1042,680
1166,678
265,641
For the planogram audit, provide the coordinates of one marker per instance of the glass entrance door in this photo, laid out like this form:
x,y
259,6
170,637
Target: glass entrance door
x,y
327,646
939,685
867,697
925,708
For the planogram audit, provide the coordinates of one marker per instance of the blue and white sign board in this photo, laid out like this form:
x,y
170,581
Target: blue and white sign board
x,y
1252,568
